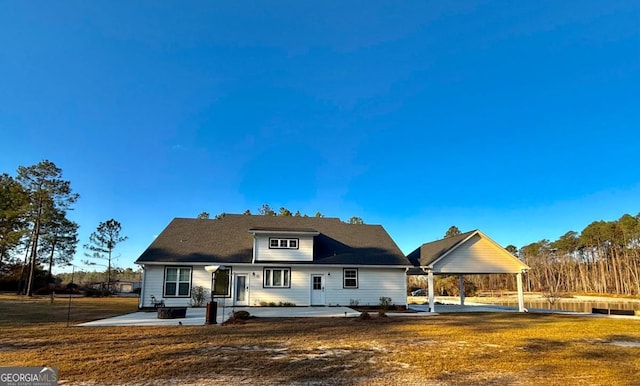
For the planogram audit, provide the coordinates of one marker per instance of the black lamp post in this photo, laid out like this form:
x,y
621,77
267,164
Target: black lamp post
x,y
212,306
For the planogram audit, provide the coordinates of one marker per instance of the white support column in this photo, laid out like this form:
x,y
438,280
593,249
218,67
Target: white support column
x,y
432,306
461,279
520,292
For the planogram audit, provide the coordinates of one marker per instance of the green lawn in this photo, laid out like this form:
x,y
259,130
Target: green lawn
x,y
456,349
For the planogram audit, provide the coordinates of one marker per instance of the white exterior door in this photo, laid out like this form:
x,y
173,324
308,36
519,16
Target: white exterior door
x,y
241,293
317,290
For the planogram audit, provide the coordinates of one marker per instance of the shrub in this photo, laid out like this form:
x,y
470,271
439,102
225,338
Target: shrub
x,y
279,304
233,320
385,302
364,315
242,315
354,302
96,293
198,296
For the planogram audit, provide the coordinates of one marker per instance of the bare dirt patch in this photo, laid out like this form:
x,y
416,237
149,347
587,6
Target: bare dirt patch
x,y
622,343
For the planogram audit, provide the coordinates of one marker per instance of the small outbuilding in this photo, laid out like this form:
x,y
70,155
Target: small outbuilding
x,y
469,253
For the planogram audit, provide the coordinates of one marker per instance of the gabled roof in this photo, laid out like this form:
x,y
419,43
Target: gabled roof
x,y
230,240
429,255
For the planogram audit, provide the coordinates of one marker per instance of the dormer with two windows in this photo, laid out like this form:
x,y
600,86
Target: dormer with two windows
x,y
283,244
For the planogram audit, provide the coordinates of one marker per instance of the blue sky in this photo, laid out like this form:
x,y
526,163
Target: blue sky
x,y
518,118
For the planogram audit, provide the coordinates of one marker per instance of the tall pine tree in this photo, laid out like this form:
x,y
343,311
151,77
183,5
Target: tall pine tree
x,y
48,193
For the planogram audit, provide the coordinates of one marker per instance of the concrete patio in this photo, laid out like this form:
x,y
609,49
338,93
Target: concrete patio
x,y
196,316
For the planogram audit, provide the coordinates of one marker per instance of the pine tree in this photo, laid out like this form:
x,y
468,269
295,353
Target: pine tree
x,y
103,241
48,193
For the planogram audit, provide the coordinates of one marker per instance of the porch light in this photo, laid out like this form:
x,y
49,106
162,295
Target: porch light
x,y
214,268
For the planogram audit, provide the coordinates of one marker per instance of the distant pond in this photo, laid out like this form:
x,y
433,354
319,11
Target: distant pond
x,y
571,305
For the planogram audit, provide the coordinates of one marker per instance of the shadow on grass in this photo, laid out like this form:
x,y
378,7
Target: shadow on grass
x,y
469,377
624,338
542,346
487,322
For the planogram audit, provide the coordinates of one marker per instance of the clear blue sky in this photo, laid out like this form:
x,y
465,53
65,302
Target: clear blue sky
x,y
520,118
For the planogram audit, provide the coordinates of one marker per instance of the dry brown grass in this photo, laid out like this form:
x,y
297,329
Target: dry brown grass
x,y
20,310
481,349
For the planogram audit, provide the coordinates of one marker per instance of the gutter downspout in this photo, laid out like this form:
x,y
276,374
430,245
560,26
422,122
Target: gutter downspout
x,y
406,296
143,286
255,244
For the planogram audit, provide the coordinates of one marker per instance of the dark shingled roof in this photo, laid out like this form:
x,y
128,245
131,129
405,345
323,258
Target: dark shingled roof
x,y
228,240
429,252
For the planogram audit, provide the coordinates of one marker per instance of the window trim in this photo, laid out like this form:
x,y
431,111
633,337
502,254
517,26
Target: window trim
x,y
271,269
281,239
177,293
344,278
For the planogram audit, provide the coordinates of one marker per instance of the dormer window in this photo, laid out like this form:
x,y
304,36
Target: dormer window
x,y
277,243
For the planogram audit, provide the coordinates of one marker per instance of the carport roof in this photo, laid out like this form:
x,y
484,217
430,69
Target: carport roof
x,y
428,255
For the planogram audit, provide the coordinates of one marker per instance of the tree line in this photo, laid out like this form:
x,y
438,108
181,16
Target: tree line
x,y
35,230
266,210
603,258
92,277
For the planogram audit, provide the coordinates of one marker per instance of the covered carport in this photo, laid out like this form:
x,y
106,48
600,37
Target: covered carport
x,y
470,253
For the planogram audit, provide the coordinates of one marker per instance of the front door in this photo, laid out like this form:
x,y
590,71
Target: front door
x,y
317,290
241,297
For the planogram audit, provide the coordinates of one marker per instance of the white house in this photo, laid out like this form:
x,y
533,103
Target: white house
x,y
306,261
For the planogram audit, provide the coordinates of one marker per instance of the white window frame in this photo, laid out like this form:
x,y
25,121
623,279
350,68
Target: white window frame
x,y
345,278
281,243
177,282
268,275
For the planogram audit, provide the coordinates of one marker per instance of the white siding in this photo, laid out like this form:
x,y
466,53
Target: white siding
x,y
264,253
154,285
373,283
479,255
298,294
153,278
201,278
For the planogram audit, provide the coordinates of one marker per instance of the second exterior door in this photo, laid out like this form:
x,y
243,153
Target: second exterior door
x,y
317,290
241,296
